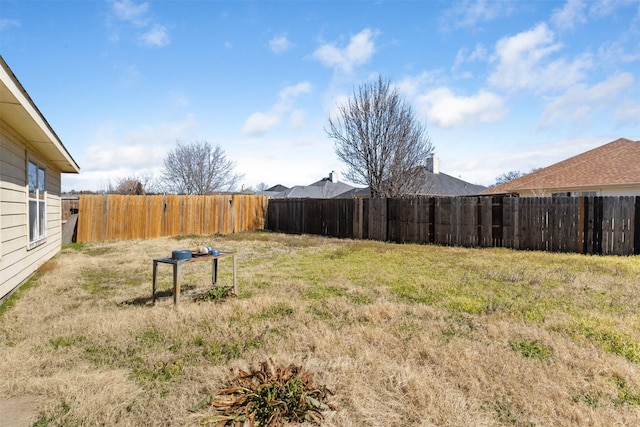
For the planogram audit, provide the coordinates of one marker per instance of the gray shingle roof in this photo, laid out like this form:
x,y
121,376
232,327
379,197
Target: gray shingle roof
x,y
323,189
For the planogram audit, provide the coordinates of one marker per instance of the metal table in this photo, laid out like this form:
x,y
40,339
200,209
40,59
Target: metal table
x,y
177,272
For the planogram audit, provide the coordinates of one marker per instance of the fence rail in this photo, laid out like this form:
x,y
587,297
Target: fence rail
x,y
116,217
588,225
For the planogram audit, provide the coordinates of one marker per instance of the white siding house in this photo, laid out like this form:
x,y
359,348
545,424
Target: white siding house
x,y
32,159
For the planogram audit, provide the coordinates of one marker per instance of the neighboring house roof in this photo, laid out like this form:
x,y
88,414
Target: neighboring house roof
x,y
441,184
323,189
326,188
613,164
276,188
21,114
433,184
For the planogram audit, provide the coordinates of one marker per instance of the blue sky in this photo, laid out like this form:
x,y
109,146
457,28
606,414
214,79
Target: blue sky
x,y
500,85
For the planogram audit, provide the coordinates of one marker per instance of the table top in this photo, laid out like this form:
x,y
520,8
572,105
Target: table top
x,y
169,260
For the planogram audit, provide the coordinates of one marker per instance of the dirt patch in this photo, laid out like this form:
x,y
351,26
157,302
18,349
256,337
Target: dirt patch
x,y
19,411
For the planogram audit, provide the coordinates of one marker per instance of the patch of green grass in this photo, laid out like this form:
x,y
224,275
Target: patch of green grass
x,y
162,371
465,304
76,246
66,341
15,296
591,399
98,251
360,299
610,340
626,394
531,349
219,352
57,418
103,281
504,414
278,310
217,294
411,293
458,325
150,337
109,355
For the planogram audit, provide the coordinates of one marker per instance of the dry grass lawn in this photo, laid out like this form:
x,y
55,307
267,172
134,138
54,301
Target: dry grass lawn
x,y
404,335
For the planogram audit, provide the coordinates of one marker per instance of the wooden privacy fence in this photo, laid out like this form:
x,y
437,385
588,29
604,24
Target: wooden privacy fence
x,y
116,217
588,225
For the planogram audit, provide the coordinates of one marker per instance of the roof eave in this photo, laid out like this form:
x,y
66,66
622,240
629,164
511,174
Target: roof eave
x,y
22,115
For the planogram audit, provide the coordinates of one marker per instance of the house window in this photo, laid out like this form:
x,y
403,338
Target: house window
x,y
37,205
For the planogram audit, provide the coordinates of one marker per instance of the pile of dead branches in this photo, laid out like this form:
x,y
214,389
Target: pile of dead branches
x,y
268,397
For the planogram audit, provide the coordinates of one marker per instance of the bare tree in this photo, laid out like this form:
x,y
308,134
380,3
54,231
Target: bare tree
x,y
262,187
380,139
508,176
136,184
198,168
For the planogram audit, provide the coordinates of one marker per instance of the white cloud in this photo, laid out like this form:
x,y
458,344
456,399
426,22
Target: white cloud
x,y
260,122
468,13
136,15
280,44
479,53
128,10
524,63
359,50
580,102
412,85
5,24
601,8
157,36
572,14
140,148
628,113
446,110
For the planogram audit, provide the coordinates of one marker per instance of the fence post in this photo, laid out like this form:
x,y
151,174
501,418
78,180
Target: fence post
x,y
636,227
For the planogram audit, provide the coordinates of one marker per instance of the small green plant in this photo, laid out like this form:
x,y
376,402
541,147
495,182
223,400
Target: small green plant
x,y
626,394
217,293
57,418
591,399
531,349
268,396
504,414
66,341
162,371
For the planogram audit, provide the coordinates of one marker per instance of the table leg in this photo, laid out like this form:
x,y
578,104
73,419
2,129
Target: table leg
x,y
155,276
214,272
176,283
